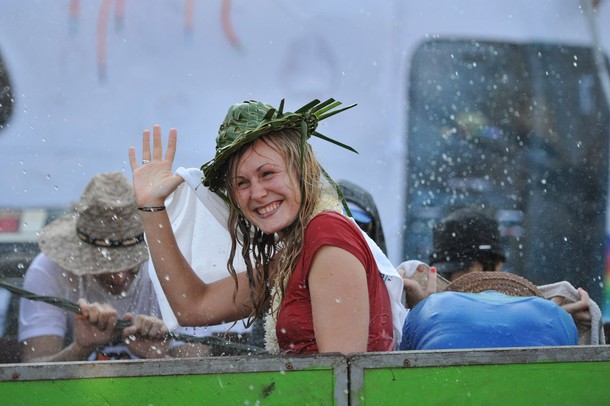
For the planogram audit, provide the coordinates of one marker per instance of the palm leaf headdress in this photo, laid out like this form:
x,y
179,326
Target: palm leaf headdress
x,y
247,121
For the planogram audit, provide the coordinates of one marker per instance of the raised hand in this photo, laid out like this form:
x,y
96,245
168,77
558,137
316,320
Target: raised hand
x,y
153,179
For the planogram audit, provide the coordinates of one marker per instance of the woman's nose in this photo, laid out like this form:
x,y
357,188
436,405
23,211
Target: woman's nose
x,y
258,190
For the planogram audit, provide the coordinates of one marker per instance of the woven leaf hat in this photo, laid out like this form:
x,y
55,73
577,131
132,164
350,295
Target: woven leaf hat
x,y
245,122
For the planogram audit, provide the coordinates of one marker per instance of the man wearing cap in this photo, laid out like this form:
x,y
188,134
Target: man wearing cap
x,y
95,256
468,241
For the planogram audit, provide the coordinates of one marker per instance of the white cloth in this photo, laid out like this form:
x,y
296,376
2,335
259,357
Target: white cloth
x,y
198,218
586,336
45,277
394,284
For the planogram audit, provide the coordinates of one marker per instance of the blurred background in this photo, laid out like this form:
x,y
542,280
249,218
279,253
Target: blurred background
x,y
502,105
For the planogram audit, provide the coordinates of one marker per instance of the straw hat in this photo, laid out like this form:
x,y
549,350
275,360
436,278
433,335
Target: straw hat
x,y
503,282
103,234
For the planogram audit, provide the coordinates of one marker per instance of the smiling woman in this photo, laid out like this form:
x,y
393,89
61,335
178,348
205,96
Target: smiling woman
x,y
310,271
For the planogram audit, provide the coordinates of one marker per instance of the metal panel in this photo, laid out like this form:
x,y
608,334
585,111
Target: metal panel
x,y
318,379
542,375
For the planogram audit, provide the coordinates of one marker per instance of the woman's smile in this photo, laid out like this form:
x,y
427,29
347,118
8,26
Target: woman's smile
x,y
266,189
267,210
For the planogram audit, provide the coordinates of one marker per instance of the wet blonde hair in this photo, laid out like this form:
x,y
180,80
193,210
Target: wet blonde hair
x,y
271,260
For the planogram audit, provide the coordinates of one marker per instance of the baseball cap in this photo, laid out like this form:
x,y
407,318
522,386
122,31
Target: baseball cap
x,y
463,236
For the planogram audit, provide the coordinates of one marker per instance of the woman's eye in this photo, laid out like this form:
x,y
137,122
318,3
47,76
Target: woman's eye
x,y
241,184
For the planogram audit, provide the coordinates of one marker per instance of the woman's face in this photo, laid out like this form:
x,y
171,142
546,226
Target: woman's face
x,y
266,189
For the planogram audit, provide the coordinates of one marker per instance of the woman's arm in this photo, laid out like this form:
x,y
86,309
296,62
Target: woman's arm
x,y
194,302
339,301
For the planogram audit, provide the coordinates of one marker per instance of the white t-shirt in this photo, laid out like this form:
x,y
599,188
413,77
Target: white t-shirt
x,y
45,277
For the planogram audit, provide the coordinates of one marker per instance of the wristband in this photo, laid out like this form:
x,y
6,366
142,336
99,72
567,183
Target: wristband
x,y
151,209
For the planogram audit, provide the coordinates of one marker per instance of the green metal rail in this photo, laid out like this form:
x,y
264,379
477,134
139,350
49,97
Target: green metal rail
x,y
544,375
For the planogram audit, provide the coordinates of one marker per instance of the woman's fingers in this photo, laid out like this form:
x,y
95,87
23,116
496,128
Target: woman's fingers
x,y
133,162
171,144
146,145
156,153
157,143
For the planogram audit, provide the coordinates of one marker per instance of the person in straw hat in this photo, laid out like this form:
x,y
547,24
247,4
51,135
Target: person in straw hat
x,y
309,269
95,256
487,310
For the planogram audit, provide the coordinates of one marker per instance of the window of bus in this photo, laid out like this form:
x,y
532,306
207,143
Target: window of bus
x,y
6,96
522,131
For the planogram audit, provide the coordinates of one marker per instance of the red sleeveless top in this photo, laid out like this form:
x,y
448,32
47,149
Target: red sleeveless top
x,y
295,321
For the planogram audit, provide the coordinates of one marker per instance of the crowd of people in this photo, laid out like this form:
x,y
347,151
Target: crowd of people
x,y
264,243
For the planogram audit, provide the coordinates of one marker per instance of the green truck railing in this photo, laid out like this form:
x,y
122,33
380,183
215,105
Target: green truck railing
x,y
511,376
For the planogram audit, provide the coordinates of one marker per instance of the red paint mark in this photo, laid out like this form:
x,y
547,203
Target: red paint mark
x,y
189,15
74,9
227,24
119,14
102,25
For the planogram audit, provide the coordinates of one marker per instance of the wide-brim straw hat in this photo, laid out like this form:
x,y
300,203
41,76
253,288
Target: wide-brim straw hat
x,y
245,122
503,282
103,234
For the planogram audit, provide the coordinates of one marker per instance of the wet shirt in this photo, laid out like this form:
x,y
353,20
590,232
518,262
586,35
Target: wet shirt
x,y
295,321
490,319
45,277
